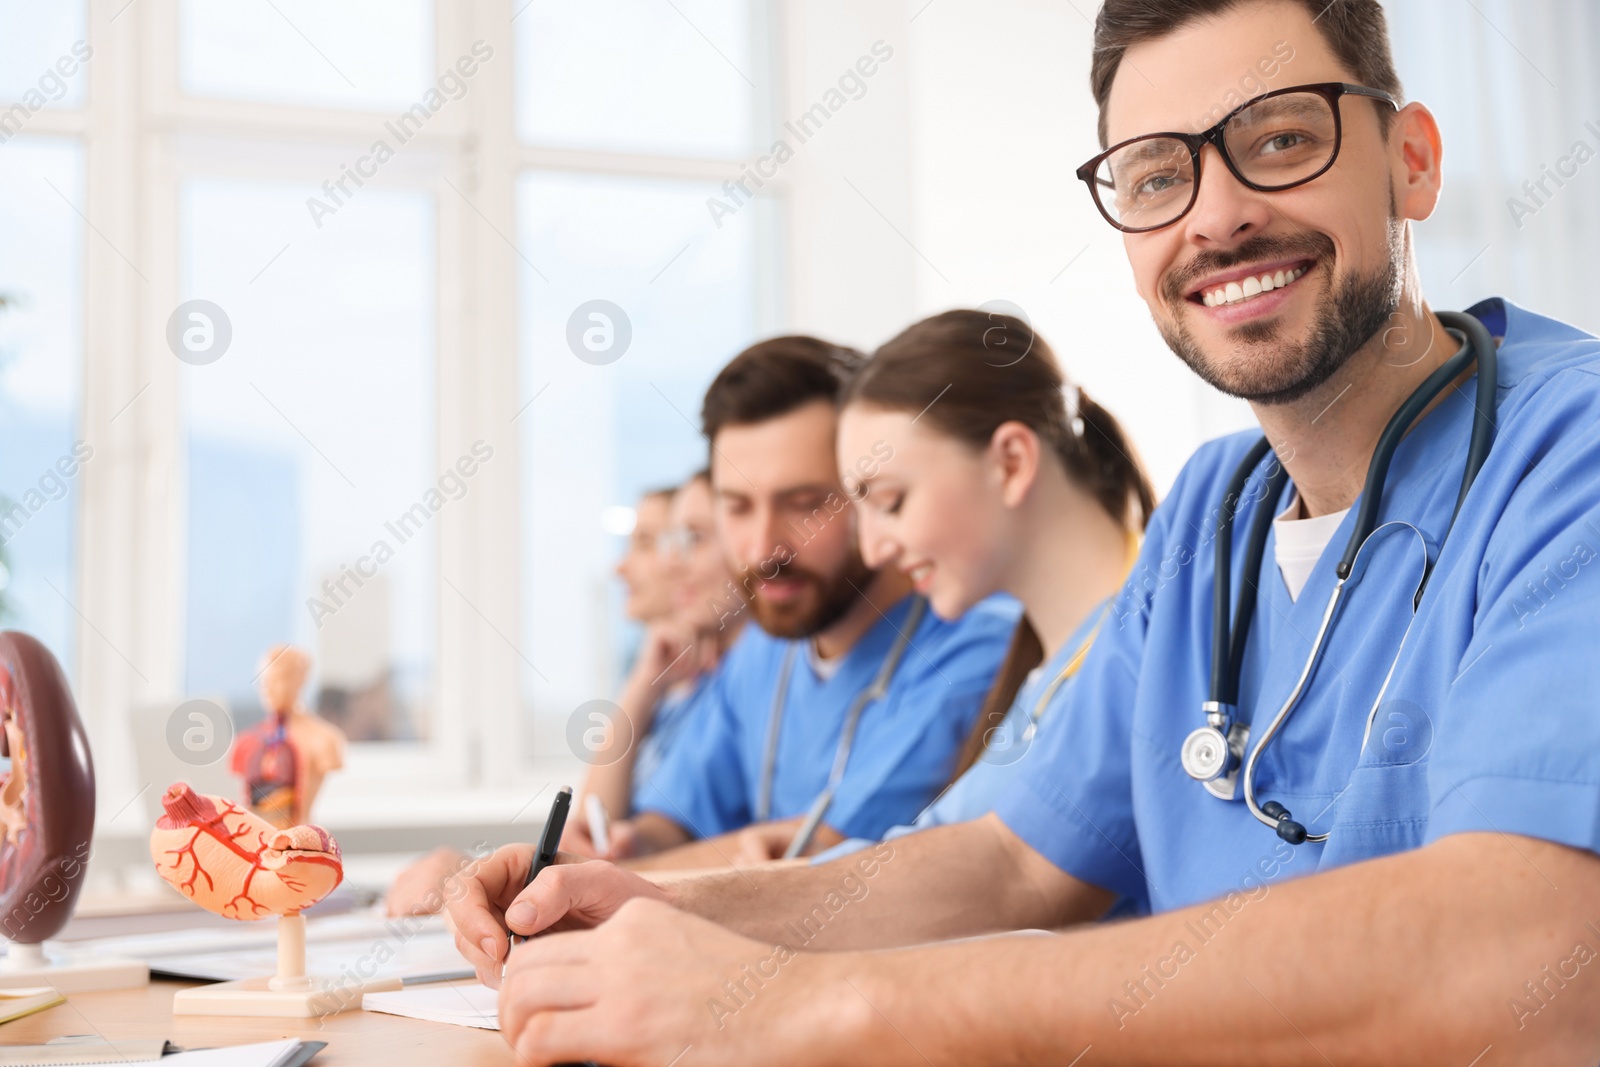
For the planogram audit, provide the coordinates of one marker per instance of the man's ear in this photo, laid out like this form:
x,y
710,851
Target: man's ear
x,y
1014,451
1418,152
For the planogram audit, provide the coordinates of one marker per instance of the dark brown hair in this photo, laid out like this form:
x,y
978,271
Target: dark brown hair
x,y
774,377
1356,32
966,373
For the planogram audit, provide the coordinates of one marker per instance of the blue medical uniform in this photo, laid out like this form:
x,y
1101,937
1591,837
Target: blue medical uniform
x,y
1491,721
677,709
905,744
973,794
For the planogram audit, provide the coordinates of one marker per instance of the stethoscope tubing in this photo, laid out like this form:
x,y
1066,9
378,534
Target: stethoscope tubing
x,y
841,758
1227,647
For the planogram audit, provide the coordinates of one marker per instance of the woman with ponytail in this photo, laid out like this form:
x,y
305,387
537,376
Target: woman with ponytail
x,y
1003,477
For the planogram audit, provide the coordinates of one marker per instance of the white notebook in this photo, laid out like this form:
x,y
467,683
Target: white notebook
x,y
460,1005
60,1051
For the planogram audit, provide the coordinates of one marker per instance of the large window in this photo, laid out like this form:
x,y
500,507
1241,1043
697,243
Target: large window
x,y
43,450
632,292
310,445
291,272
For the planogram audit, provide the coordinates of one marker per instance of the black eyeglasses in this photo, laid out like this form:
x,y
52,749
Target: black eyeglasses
x,y
1273,142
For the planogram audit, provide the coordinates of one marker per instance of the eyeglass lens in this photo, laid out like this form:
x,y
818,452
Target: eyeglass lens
x,y
1274,143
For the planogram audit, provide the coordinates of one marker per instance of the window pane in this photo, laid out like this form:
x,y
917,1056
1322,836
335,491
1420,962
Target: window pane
x,y
356,53
637,76
310,447
42,51
41,359
600,432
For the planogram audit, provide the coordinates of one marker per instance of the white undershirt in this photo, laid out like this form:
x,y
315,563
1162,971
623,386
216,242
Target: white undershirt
x,y
824,668
1299,543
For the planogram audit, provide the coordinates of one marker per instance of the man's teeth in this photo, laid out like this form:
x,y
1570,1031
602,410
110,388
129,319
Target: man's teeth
x,y
1234,292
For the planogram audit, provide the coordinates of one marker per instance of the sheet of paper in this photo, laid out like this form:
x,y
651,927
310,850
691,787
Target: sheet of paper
x,y
461,1005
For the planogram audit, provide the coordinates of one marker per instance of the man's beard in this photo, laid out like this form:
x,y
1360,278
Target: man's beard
x,y
814,610
1350,313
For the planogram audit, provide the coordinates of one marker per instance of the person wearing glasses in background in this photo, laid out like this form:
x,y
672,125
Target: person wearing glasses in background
x,y
672,675
1359,801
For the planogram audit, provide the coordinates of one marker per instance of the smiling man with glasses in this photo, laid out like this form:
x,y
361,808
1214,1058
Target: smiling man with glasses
x,y
1434,895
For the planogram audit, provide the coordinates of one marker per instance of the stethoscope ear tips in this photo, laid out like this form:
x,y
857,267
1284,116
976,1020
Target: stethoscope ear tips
x,y
1287,828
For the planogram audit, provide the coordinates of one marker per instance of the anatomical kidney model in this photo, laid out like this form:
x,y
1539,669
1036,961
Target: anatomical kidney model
x,y
284,758
46,825
233,862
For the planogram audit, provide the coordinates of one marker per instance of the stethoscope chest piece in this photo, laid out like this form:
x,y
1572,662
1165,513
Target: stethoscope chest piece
x,y
1205,754
1213,758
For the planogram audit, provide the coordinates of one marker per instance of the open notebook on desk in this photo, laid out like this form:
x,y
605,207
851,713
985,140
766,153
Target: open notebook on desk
x,y
89,1049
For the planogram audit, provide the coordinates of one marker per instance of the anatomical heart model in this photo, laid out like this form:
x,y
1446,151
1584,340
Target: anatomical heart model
x,y
46,824
233,862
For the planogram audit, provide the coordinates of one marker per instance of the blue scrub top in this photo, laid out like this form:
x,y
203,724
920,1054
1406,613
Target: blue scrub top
x,y
1490,723
905,744
973,794
678,708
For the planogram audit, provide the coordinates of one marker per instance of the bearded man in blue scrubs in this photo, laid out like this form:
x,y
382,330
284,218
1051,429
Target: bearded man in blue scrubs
x,y
1449,751
792,724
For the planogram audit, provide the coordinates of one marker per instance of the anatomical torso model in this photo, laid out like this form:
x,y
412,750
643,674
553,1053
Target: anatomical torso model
x,y
284,759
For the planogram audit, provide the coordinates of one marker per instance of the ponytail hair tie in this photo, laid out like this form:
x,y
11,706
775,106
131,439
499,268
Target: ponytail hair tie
x,y
1072,395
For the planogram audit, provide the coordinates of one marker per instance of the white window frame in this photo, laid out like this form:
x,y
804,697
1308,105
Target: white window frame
x,y
143,138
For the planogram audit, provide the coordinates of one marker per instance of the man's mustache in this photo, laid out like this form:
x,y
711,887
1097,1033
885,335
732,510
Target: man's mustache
x,y
750,577
1255,249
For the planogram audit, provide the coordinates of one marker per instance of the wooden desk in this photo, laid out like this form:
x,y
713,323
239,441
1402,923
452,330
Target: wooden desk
x,y
353,1037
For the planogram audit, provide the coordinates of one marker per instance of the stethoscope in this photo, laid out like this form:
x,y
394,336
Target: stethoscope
x,y
1213,753
847,737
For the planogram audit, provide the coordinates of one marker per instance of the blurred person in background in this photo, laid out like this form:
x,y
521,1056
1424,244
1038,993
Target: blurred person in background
x,y
642,567
674,669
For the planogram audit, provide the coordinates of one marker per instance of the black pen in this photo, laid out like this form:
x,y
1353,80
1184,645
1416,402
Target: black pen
x,y
549,842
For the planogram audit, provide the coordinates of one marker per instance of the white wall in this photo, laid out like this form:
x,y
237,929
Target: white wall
x,y
984,112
